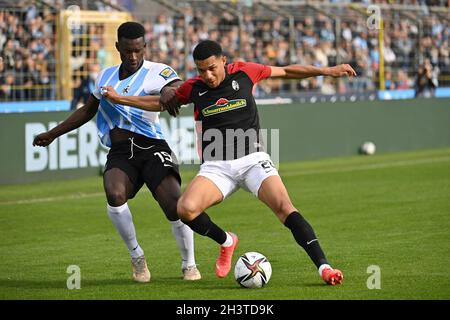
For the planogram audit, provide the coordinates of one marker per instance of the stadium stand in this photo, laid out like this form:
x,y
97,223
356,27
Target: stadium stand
x,y
27,52
321,33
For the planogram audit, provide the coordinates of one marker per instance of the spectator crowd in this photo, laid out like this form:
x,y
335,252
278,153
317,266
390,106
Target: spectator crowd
x,y
27,54
28,67
267,40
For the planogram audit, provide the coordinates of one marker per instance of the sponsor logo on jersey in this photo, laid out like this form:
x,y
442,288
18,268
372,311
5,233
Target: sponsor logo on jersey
x,y
223,105
168,73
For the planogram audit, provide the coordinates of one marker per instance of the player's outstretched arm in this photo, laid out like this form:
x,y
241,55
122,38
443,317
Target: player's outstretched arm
x,y
169,101
149,103
74,121
297,71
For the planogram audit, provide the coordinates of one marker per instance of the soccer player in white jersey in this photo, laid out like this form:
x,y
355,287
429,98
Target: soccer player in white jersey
x,y
139,154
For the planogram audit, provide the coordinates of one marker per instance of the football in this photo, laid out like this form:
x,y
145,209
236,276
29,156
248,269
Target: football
x,y
252,270
368,148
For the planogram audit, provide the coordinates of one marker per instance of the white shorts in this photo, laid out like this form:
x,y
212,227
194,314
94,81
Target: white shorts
x,y
247,172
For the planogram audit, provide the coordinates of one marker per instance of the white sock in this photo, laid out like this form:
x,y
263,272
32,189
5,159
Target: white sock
x,y
123,221
228,242
185,242
324,266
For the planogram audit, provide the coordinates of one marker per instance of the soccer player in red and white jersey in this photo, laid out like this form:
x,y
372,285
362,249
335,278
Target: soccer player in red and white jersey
x,y
225,106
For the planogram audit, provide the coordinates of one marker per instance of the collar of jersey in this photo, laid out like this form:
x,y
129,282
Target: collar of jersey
x,y
227,75
130,75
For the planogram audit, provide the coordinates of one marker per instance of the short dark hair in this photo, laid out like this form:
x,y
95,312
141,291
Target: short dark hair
x,y
206,49
130,30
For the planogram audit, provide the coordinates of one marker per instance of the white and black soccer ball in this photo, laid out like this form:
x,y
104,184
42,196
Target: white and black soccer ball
x,y
368,148
252,270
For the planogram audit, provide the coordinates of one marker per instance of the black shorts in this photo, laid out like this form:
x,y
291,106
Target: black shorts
x,y
144,160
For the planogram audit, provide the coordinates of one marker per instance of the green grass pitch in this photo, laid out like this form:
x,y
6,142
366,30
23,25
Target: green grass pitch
x,y
390,210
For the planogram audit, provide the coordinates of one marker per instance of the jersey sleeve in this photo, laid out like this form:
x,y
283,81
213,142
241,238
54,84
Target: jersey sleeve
x,y
158,78
184,92
96,91
255,71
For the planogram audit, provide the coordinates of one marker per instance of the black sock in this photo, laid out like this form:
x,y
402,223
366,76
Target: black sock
x,y
203,225
305,237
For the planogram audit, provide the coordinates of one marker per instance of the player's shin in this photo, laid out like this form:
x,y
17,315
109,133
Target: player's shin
x,y
123,221
306,238
185,242
203,225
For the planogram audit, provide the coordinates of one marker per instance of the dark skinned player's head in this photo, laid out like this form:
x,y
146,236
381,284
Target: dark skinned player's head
x,y
131,45
210,61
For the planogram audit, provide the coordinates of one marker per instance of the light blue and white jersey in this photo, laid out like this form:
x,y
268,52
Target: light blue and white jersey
x,y
148,80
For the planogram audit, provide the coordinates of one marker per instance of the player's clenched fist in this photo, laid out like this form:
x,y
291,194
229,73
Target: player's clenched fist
x,y
169,101
341,70
43,139
109,93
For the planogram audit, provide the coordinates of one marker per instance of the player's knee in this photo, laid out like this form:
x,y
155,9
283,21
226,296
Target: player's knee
x,y
170,211
116,197
283,209
187,208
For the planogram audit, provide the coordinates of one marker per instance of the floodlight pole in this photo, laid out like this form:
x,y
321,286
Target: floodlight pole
x,y
363,12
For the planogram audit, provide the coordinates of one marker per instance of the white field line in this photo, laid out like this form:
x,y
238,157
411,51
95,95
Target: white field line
x,y
51,199
287,173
